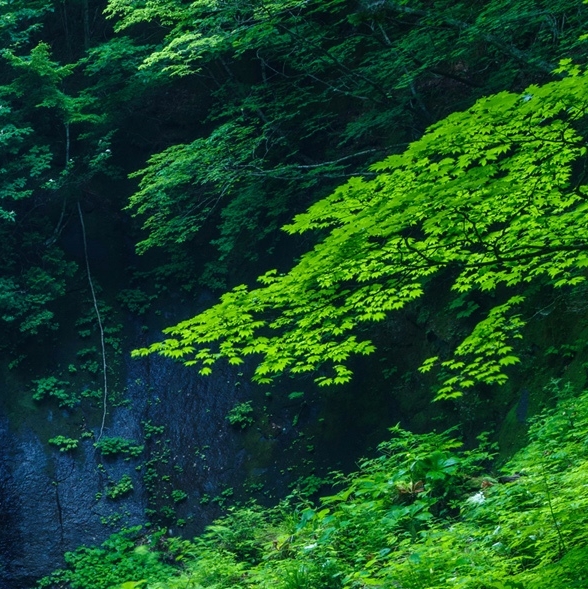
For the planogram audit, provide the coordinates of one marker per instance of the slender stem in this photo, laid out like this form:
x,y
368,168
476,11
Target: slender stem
x,y
562,545
67,144
104,367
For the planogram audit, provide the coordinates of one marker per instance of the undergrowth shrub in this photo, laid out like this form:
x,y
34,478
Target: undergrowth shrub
x,y
130,554
423,514
113,446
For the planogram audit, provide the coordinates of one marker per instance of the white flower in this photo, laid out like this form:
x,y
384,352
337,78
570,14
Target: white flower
x,y
476,499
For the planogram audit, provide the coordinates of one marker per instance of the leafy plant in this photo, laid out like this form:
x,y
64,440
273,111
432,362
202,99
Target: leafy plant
x,y
309,485
275,129
64,444
121,488
151,430
222,498
135,300
485,199
113,446
296,395
241,415
51,386
178,495
423,513
124,556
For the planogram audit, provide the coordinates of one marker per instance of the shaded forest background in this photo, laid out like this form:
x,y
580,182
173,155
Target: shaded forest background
x,y
150,153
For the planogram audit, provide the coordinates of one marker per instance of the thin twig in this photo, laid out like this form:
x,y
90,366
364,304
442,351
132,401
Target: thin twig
x,y
104,405
562,545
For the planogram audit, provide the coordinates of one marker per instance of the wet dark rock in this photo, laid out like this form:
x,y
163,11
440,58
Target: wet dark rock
x,y
52,502
523,406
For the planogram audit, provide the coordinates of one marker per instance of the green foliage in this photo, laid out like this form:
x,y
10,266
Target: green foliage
x,y
51,386
424,513
21,20
150,430
40,78
135,300
294,110
121,488
25,297
114,446
127,555
295,395
241,415
309,486
110,80
64,444
42,143
222,498
178,495
35,271
487,197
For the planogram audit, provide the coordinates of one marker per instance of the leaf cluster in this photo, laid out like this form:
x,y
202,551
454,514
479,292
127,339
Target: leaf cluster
x,y
424,513
488,198
126,554
241,415
301,95
113,446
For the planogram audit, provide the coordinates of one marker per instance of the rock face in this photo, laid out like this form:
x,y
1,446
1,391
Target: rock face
x,y
188,458
47,506
192,459
53,501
